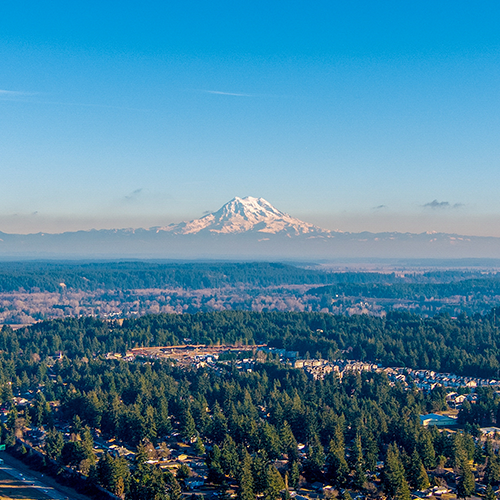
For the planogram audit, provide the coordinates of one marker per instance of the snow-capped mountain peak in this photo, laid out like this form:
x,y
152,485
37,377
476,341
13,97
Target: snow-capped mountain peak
x,y
247,214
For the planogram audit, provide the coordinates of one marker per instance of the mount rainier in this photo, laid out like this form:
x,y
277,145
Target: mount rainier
x,y
248,214
244,229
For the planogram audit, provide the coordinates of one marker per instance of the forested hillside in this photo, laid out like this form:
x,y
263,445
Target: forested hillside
x,y
90,276
247,425
414,291
34,291
127,275
466,345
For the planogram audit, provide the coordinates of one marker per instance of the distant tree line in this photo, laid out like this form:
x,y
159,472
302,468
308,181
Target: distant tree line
x,y
47,276
413,291
91,276
467,345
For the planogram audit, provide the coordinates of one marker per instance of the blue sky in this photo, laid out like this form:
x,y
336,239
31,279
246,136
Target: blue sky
x,y
358,115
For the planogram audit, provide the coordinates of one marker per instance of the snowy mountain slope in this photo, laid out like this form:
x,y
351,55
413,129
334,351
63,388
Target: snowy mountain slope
x,y
244,228
247,214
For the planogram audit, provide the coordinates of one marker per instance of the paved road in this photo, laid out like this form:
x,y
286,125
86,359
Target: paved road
x,y
29,481
44,486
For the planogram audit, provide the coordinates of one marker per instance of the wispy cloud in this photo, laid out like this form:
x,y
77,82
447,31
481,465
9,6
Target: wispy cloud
x,y
239,94
440,205
133,195
15,93
437,204
218,92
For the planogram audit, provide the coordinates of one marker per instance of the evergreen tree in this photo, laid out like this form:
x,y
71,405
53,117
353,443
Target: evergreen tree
x,y
162,423
466,484
488,448
54,443
73,453
229,457
490,494
199,447
141,457
270,441
426,450
173,488
11,418
218,425
183,472
359,478
260,465
245,479
87,451
479,457
394,479
492,471
88,445
458,451
468,445
148,482
313,466
337,470
214,463
294,475
370,450
418,477
286,493
150,431
187,427
41,410
289,443
76,425
113,474
274,482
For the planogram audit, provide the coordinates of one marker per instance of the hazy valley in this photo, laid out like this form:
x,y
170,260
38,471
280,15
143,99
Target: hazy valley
x,y
34,291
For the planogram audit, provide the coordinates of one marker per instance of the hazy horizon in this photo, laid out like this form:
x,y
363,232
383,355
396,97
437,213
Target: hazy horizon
x,y
351,116
469,225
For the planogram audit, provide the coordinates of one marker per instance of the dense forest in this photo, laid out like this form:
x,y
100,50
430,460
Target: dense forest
x,y
414,291
465,345
89,276
247,426
127,275
263,432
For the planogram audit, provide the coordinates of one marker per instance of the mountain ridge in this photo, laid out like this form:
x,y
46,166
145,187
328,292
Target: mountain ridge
x,y
242,229
246,214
